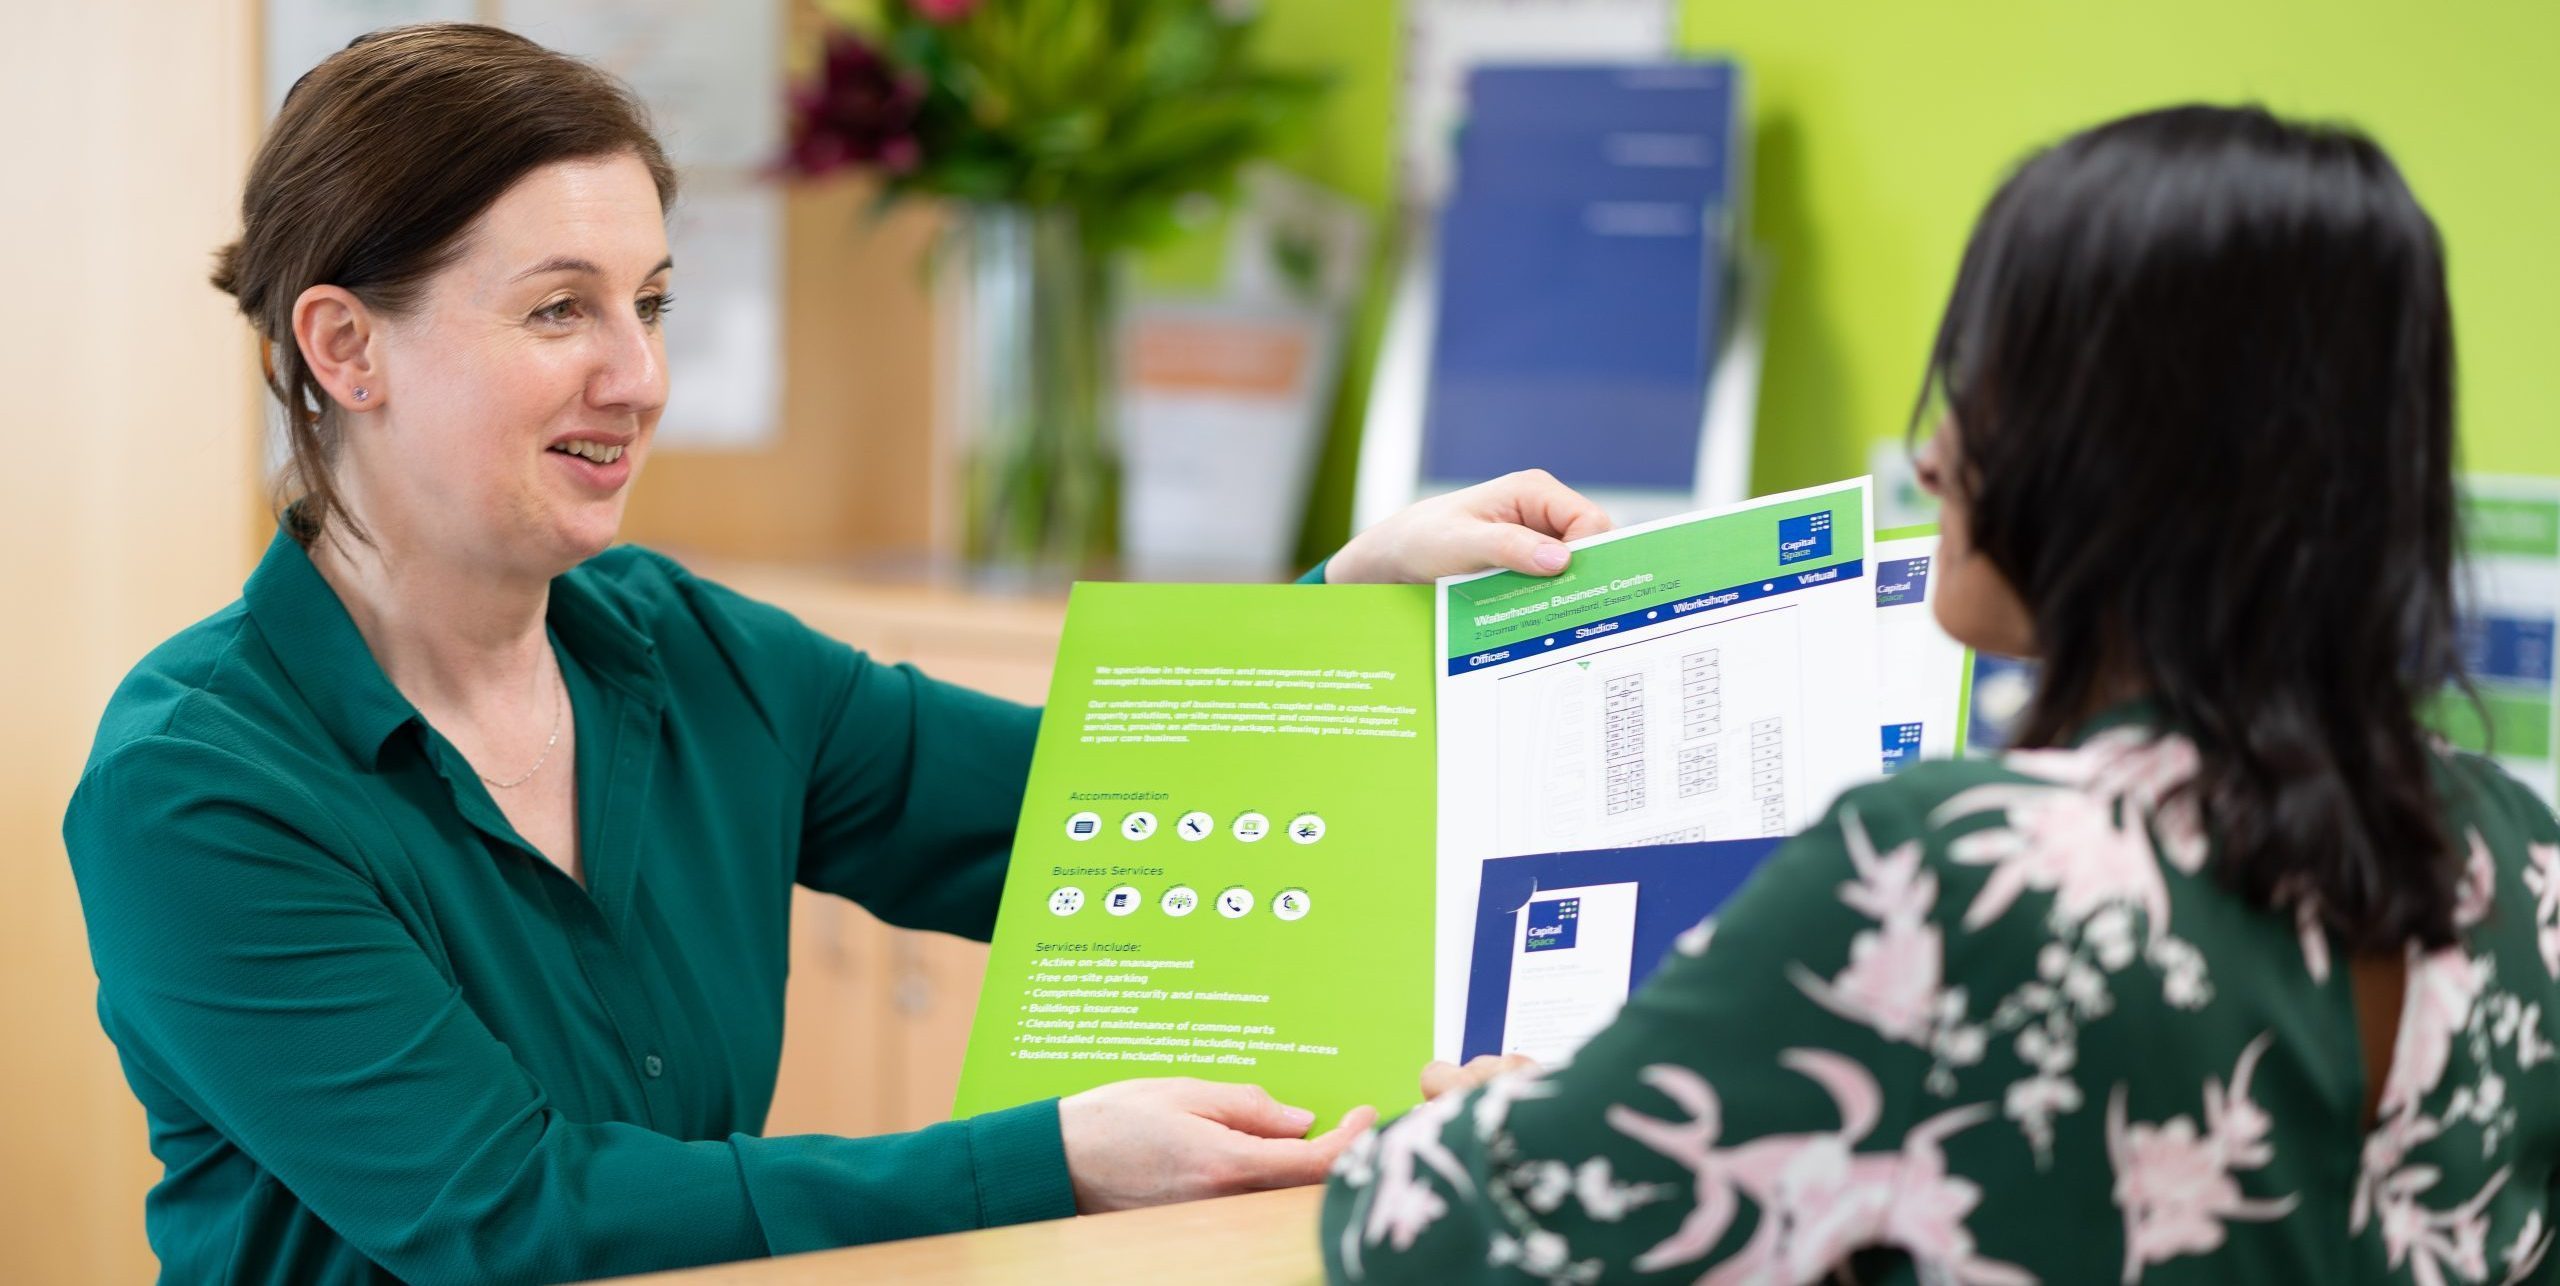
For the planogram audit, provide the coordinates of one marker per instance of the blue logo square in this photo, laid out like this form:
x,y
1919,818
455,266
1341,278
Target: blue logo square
x,y
1902,581
1901,746
1804,536
1552,924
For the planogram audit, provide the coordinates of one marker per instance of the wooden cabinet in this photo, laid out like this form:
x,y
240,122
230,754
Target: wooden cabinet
x,y
878,1017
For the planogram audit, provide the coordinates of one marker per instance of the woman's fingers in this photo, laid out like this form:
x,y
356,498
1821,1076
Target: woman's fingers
x,y
1329,1145
1519,521
1288,1163
1528,516
1440,1077
1250,1109
1518,548
1149,1142
1535,499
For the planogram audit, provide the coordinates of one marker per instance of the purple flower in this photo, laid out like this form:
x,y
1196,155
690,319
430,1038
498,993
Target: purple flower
x,y
943,11
858,110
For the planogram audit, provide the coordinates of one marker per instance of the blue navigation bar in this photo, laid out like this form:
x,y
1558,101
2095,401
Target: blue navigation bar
x,y
1537,645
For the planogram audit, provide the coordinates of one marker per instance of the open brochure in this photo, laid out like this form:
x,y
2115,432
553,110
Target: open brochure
x,y
1311,836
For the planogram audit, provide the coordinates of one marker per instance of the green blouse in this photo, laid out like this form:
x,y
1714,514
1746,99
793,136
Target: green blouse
x,y
378,1036
1998,1023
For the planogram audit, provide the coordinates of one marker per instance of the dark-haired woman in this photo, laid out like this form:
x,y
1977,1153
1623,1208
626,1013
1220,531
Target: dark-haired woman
x,y
439,889
2232,975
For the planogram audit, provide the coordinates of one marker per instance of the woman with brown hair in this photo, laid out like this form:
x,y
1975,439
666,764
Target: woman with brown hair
x,y
438,889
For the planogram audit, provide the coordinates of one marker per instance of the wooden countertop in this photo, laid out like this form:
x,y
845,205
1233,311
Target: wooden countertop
x,y
1262,1239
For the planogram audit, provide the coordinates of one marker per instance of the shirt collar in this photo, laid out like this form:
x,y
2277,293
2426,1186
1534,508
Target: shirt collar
x,y
598,630
322,653
325,657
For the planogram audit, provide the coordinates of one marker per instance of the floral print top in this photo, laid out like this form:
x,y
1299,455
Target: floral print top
x,y
1997,1023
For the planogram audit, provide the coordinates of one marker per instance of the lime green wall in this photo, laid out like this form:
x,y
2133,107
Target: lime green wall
x,y
1351,145
1351,148
1883,125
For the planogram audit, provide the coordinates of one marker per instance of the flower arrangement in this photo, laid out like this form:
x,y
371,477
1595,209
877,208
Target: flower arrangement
x,y
1066,131
1117,110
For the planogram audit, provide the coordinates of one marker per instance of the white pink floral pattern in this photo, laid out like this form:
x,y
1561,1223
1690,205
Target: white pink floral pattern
x,y
2477,894
2177,1184
2442,988
2082,830
2314,938
2451,1002
2542,876
2059,841
1891,982
1402,1203
2435,1245
1819,1198
2083,833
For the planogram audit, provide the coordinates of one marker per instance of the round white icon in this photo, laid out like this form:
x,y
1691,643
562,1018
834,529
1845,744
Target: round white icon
x,y
1066,901
1196,826
1179,901
1306,828
1251,827
1290,905
1084,826
1138,825
1236,903
1123,900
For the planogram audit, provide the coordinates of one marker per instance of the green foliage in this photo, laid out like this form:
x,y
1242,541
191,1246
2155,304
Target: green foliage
x,y
1116,109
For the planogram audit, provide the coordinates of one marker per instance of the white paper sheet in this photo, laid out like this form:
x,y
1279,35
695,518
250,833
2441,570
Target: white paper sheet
x,y
1920,671
1711,699
1571,953
2511,617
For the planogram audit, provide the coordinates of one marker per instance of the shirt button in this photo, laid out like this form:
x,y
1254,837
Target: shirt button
x,y
654,1066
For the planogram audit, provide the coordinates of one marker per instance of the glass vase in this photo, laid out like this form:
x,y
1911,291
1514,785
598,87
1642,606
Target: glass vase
x,y
1033,388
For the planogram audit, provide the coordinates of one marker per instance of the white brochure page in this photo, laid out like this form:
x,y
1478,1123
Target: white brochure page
x,y
1571,953
1920,670
1707,677
2510,588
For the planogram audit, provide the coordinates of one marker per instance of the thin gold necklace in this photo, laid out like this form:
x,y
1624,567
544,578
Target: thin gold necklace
x,y
558,709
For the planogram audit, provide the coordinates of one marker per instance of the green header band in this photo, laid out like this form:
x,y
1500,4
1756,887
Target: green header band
x,y
1654,568
2514,526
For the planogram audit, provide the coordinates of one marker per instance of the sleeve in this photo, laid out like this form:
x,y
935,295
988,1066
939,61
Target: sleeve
x,y
248,966
914,785
913,796
1659,1152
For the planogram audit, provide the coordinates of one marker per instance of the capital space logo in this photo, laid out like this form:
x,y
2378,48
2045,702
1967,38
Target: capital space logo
x,y
1805,536
1551,923
1902,581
